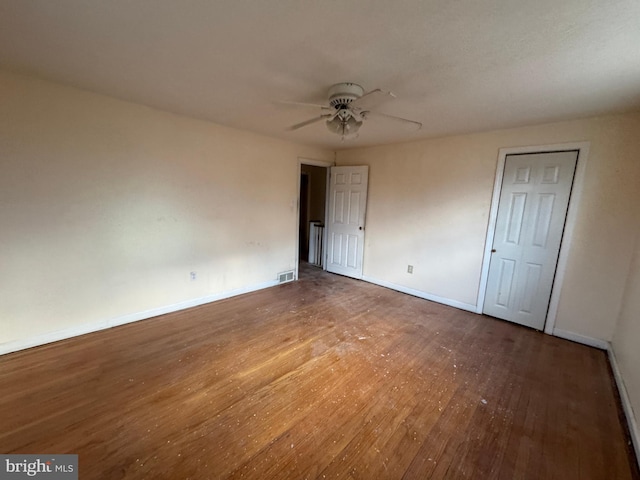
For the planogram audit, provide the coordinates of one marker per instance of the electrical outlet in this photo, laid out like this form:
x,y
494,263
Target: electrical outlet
x,y
193,276
409,268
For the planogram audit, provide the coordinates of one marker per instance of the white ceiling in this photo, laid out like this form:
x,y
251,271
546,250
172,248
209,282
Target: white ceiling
x,y
456,66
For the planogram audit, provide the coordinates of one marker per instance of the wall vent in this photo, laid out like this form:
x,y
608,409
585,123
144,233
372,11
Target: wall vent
x,y
285,277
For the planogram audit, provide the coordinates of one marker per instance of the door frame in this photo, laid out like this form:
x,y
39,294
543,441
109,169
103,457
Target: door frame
x,y
315,163
570,222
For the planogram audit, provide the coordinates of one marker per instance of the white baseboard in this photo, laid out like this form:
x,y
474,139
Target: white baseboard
x,y
575,337
420,294
626,404
76,331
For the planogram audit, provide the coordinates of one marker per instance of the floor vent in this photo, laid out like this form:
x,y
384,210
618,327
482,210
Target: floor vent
x,y
285,277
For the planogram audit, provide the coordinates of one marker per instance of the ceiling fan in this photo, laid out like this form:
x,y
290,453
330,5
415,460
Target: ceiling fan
x,y
344,114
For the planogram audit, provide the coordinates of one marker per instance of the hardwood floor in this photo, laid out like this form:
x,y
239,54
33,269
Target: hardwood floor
x,y
326,377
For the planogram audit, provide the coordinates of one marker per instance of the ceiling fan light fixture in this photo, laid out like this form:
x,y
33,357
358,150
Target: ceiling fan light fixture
x,y
343,126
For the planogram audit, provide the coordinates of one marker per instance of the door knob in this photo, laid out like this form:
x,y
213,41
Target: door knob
x,y
493,250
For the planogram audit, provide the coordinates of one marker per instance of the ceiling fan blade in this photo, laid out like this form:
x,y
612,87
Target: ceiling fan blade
x,y
367,114
309,122
302,104
368,95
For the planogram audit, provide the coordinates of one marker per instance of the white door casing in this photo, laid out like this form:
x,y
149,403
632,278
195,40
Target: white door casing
x,y
345,226
317,163
531,216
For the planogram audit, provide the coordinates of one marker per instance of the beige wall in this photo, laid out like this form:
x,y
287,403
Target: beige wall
x,y
429,204
106,207
626,340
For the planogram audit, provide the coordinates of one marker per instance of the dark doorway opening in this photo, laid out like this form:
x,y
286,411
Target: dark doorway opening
x,y
313,194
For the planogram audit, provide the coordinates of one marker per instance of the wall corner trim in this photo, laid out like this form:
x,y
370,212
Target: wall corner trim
x,y
632,423
83,329
626,403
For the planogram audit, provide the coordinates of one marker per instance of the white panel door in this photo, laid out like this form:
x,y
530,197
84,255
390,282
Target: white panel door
x,y
531,215
345,229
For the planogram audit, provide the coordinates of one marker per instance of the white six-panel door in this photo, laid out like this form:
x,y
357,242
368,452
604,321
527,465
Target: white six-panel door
x,y
345,229
531,215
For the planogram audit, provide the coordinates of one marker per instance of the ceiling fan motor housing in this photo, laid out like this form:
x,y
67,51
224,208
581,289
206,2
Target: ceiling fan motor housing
x,y
342,94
